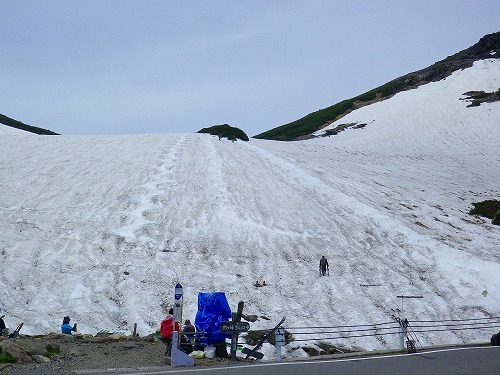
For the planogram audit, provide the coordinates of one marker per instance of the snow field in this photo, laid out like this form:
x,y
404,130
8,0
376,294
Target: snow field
x,y
102,228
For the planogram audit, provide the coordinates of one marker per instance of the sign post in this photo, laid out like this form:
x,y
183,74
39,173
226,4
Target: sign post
x,y
178,296
238,327
235,327
234,338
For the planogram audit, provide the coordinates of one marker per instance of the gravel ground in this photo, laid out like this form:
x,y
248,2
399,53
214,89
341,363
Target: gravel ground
x,y
81,354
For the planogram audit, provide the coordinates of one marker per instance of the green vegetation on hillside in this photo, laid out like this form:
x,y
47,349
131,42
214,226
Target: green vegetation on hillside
x,y
22,126
225,131
6,358
487,47
486,208
478,97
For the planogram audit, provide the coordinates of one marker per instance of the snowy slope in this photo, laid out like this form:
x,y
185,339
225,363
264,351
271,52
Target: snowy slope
x,y
102,228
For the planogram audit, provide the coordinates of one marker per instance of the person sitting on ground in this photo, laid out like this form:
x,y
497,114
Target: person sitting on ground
x,y
66,328
189,329
188,337
167,326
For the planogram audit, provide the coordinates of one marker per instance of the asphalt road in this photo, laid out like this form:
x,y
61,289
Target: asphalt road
x,y
466,361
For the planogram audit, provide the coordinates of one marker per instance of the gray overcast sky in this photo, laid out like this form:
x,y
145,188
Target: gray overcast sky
x,y
163,66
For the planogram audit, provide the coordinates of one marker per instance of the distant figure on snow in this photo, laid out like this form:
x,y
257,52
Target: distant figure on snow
x,y
260,283
67,328
323,266
167,326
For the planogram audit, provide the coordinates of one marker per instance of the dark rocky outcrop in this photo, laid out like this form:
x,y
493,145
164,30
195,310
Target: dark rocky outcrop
x,y
22,126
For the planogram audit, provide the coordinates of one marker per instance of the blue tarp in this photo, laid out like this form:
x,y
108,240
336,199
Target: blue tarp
x,y
212,310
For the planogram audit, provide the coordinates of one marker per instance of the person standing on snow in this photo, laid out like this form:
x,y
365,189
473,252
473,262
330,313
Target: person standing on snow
x,y
323,266
167,326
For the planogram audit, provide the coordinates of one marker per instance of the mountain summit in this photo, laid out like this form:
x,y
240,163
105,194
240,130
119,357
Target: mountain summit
x,y
488,47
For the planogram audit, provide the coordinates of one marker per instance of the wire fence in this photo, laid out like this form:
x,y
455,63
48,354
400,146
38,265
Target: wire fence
x,y
323,333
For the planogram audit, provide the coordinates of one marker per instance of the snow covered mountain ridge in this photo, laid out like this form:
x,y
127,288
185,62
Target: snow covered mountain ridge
x,y
486,48
101,228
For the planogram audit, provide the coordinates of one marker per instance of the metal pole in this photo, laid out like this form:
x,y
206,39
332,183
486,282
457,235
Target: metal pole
x,y
280,340
234,338
178,300
401,335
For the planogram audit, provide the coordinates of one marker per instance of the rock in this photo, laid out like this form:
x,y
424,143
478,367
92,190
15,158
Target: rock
x,y
129,345
15,351
117,337
37,351
48,336
150,338
4,366
40,359
53,347
59,337
250,318
313,352
74,351
330,349
495,339
98,339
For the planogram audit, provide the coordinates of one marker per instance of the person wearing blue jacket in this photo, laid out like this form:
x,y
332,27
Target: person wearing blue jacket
x,y
66,328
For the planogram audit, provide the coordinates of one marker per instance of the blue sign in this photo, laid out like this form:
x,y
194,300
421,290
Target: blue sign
x,y
178,292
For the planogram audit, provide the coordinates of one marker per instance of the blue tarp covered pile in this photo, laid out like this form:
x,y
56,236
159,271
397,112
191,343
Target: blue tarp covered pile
x,y
212,310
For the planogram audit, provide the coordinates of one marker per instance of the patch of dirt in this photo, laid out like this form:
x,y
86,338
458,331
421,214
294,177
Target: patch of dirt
x,y
83,353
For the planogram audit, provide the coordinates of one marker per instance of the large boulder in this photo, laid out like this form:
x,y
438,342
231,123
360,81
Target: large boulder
x,y
53,347
14,350
40,358
495,339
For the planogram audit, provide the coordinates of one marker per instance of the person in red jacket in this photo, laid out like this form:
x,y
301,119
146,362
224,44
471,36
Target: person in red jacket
x,y
167,326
